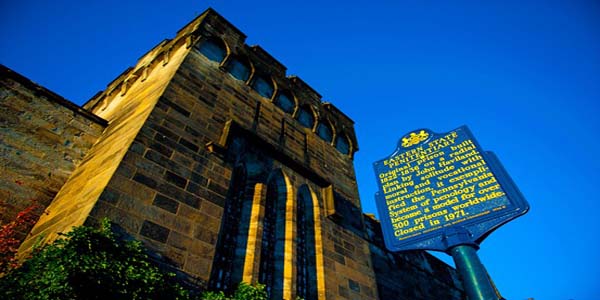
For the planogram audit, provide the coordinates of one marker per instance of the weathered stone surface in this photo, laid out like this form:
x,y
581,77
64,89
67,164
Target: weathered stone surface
x,y
43,138
126,105
410,275
216,179
155,231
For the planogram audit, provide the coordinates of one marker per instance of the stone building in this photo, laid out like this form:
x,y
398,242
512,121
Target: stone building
x,y
227,169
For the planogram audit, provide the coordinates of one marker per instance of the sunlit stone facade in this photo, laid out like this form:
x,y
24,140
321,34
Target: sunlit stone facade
x,y
227,169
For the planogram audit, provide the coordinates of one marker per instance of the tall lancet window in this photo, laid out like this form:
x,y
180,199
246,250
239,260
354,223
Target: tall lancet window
x,y
273,236
225,262
306,273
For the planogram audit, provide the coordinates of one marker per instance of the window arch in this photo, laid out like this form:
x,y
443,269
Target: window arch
x,y
213,49
342,144
226,261
285,101
239,68
306,117
273,236
263,85
325,131
306,271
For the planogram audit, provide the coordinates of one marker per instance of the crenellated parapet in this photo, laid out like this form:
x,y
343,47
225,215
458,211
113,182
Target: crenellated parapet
x,y
220,41
268,77
151,62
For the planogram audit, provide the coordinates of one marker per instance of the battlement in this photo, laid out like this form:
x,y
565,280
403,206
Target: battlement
x,y
210,29
217,30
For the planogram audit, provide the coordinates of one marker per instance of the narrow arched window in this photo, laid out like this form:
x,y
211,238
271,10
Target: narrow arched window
x,y
305,117
213,49
324,131
285,102
273,236
263,86
238,69
342,144
306,272
226,261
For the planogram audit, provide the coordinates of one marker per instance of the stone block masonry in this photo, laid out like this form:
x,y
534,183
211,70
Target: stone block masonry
x,y
126,104
221,178
410,275
43,138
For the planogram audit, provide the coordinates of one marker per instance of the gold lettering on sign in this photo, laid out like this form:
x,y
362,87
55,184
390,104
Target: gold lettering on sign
x,y
437,184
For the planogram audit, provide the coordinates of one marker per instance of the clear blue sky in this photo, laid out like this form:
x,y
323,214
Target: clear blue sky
x,y
523,75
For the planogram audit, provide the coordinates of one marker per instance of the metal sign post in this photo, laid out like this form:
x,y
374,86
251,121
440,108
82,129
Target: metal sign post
x,y
443,192
476,283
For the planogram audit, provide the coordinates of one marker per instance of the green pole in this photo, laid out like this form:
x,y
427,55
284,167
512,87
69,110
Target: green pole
x,y
475,279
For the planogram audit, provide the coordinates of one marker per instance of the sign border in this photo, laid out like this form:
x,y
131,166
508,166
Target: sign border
x,y
471,231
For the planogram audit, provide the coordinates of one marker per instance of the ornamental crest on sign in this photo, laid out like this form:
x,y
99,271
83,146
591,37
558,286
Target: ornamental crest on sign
x,y
414,138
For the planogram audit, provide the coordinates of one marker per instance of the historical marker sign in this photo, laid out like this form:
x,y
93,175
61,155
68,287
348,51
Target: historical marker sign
x,y
440,190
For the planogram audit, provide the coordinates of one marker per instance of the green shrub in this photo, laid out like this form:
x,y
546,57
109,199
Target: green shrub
x,y
90,263
244,291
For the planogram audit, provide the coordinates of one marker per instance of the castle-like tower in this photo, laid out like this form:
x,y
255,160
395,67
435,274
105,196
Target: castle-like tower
x,y
229,170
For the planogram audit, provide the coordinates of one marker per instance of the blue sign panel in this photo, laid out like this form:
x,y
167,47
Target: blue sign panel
x,y
437,191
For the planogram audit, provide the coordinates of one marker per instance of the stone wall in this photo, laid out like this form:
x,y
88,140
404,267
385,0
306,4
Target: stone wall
x,y
410,275
171,187
125,104
43,138
181,133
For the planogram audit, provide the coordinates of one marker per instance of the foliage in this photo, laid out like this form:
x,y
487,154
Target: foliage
x,y
9,241
90,263
243,292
